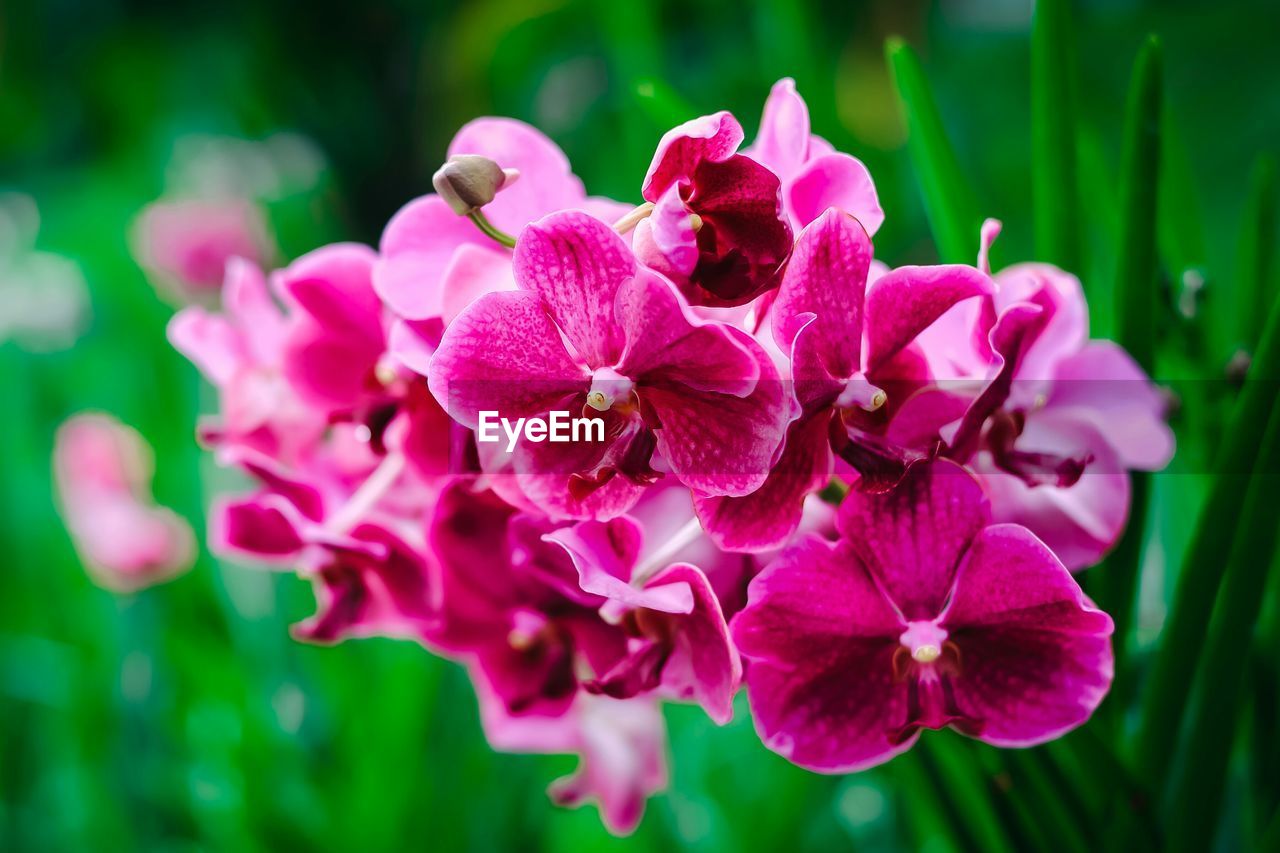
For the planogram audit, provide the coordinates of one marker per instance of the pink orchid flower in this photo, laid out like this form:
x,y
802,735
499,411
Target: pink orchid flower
x,y
814,175
103,470
1058,419
621,744
923,615
433,263
732,251
852,360
358,547
185,245
241,352
590,331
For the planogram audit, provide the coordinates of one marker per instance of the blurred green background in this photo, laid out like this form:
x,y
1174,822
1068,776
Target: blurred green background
x,y
184,717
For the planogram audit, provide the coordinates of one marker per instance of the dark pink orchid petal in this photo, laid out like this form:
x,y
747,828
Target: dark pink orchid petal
x,y
1014,332
905,301
577,264
769,516
264,528
703,665
335,335
826,277
713,138
719,444
834,181
912,537
668,344
390,594
819,640
585,480
744,237
1035,653
504,354
546,182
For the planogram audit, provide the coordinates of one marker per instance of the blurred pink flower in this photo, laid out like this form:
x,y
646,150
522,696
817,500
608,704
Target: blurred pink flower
x,y
185,245
102,471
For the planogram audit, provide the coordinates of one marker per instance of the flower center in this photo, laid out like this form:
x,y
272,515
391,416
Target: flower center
x,y
608,387
861,393
924,641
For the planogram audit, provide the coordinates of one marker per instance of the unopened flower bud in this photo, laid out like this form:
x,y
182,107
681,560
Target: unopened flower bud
x,y
467,182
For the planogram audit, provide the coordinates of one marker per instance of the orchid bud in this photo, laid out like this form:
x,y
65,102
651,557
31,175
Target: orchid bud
x,y
467,182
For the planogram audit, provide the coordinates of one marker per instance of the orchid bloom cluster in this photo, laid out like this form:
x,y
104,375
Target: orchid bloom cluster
x,y
861,491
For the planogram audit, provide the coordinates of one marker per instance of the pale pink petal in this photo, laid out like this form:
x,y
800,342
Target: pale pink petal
x,y
546,182
834,180
210,342
704,666
665,240
1104,385
782,144
1080,522
416,249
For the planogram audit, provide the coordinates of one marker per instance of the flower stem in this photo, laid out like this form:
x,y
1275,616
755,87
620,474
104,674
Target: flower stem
x,y
492,231
372,490
661,558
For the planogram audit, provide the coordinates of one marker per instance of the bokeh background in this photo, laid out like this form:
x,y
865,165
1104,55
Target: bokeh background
x,y
184,717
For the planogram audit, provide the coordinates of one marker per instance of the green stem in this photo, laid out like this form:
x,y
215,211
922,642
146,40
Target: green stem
x,y
1202,570
491,231
1136,309
1196,793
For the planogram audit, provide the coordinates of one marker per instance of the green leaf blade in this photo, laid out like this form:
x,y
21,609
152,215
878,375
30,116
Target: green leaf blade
x,y
1055,191
948,200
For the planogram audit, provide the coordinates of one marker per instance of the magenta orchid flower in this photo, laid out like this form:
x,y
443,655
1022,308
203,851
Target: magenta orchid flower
x,y
556,601
1057,420
102,470
718,228
922,615
591,332
852,359
814,175
241,352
